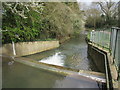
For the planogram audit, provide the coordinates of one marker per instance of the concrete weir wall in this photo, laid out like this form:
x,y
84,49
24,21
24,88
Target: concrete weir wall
x,y
97,58
27,48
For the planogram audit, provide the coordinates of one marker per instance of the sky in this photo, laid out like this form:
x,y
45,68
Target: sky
x,y
84,0
88,2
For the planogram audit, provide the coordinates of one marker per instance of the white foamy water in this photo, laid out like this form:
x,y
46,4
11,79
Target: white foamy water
x,y
56,59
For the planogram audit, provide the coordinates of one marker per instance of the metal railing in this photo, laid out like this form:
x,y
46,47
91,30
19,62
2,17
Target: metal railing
x,y
101,38
114,47
109,40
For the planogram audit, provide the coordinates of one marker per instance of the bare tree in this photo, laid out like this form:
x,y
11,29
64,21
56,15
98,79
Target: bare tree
x,y
109,9
92,15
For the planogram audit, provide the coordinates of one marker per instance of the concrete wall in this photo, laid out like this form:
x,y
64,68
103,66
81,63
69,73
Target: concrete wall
x,y
97,58
27,48
7,49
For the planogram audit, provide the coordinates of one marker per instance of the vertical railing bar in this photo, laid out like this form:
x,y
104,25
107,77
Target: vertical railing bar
x,y
115,43
98,37
110,46
103,38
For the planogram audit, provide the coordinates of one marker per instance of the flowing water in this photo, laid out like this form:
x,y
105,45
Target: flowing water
x,y
72,53
17,75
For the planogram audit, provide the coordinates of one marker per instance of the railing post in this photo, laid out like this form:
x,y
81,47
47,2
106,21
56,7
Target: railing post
x,y
118,52
115,50
110,42
115,42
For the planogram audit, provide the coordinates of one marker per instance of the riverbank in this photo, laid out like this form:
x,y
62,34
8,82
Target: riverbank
x,y
27,48
71,59
97,49
62,40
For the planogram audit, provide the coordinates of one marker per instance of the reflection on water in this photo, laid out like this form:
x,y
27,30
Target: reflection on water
x,y
17,75
75,81
72,54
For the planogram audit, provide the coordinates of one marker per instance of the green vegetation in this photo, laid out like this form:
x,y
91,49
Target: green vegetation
x,y
88,36
40,21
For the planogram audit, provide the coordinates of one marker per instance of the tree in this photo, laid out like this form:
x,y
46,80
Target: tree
x,y
102,14
93,17
110,11
21,21
28,21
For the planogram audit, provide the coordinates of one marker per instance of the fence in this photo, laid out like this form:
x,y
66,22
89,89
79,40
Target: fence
x,y
114,46
109,40
101,38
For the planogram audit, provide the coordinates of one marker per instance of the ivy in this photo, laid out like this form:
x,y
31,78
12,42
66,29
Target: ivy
x,y
40,21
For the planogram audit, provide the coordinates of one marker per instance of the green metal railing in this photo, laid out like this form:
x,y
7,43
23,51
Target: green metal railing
x,y
101,38
109,40
114,47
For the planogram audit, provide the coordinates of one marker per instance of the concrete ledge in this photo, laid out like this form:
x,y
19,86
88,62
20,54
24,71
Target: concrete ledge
x,y
112,69
27,48
100,77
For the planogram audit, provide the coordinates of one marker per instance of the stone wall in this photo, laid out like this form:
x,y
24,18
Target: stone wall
x,y
27,48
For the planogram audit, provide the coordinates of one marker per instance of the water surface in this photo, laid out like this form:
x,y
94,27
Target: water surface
x,y
17,75
72,54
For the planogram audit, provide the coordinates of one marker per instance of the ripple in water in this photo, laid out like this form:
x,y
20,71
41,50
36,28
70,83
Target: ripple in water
x,y
56,59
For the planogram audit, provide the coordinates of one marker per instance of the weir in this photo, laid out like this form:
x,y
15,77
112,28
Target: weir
x,y
69,60
73,78
100,77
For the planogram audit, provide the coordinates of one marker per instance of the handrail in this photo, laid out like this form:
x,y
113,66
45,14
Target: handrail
x,y
115,28
106,68
99,39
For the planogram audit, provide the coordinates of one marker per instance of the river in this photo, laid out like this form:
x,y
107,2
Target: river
x,y
72,54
